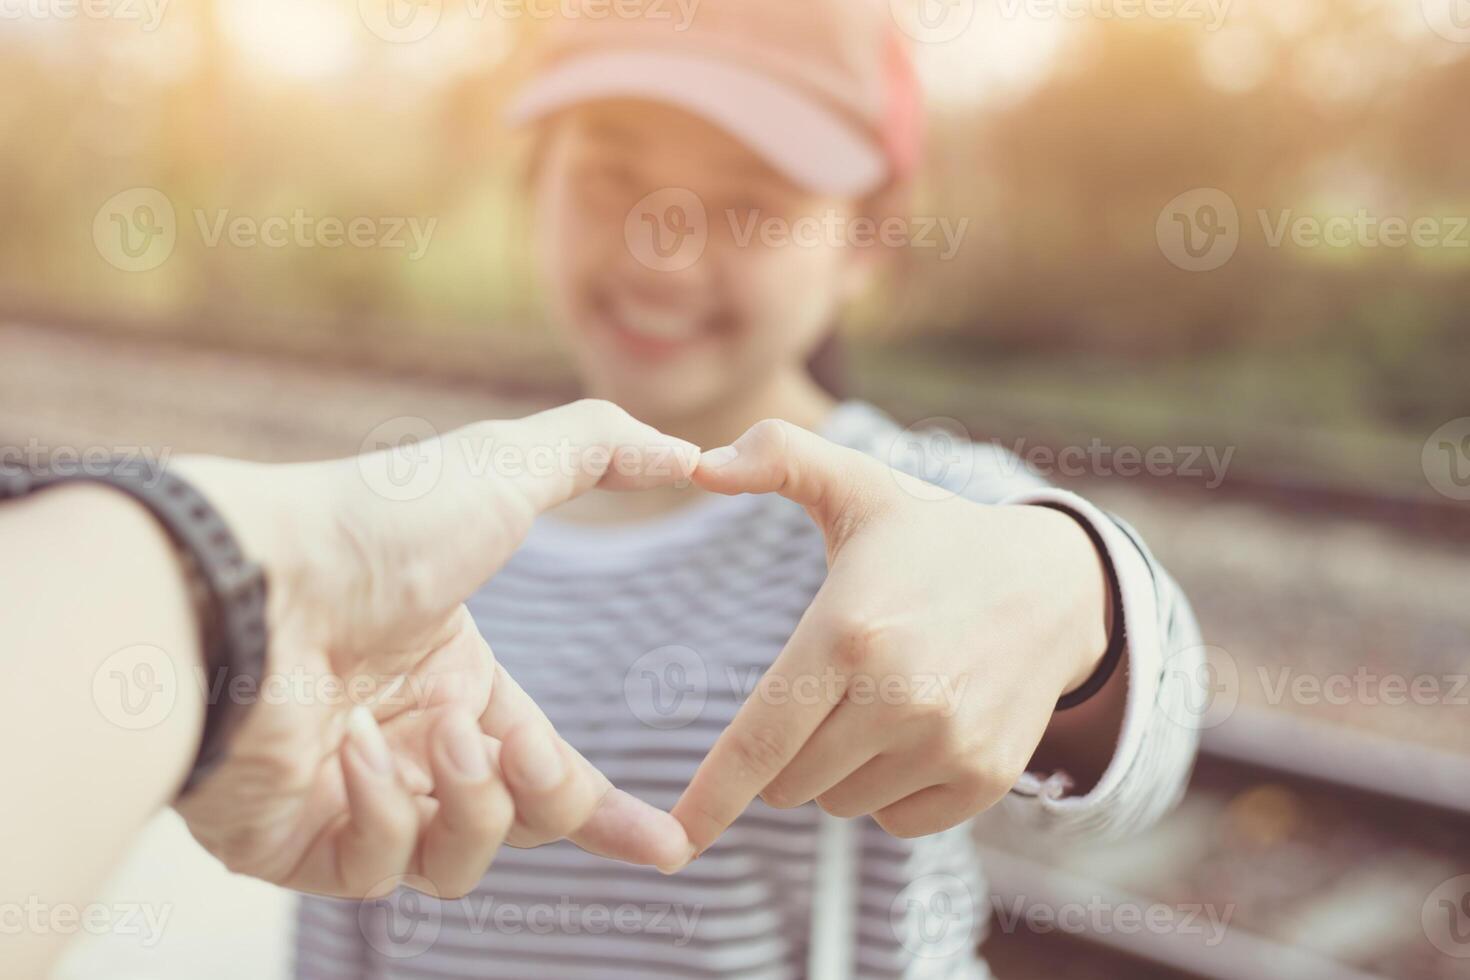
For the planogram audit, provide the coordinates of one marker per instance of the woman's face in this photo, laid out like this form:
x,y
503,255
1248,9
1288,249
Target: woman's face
x,y
657,324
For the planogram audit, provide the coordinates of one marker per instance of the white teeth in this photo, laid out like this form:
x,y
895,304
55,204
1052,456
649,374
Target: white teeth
x,y
657,324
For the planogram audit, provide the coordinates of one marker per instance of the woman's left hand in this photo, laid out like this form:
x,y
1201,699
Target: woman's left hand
x,y
921,680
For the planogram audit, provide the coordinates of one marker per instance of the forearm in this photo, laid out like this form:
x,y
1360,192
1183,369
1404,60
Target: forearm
x,y
95,745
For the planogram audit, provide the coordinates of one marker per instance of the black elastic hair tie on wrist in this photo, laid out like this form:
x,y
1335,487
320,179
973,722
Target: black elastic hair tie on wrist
x,y
1117,636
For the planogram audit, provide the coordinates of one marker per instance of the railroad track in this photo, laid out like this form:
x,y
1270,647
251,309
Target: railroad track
x,y
1362,826
1326,871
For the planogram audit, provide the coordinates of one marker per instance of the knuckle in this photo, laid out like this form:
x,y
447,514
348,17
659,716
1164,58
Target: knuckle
x,y
843,809
600,410
981,786
779,797
950,740
904,824
859,641
759,751
769,435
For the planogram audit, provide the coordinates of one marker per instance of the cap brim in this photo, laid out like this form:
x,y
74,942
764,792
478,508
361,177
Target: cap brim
x,y
808,143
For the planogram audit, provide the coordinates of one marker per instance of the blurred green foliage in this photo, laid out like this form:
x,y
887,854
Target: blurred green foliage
x,y
1328,110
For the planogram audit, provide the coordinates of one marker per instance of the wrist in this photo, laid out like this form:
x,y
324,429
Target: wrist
x,y
1087,607
269,511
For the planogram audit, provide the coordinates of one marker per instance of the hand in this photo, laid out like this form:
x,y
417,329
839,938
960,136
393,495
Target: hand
x,y
920,681
449,757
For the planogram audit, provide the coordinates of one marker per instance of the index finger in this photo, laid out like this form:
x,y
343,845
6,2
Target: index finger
x,y
766,734
575,800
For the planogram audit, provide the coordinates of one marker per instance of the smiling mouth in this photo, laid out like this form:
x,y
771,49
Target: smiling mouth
x,y
654,332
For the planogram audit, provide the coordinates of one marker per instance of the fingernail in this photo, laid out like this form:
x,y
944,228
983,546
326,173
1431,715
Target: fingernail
x,y
716,458
688,859
367,738
466,749
541,765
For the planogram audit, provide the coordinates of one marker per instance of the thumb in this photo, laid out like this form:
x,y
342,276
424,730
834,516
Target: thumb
x,y
775,456
595,444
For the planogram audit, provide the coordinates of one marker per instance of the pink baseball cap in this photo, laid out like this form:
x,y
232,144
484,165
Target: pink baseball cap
x,y
822,90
